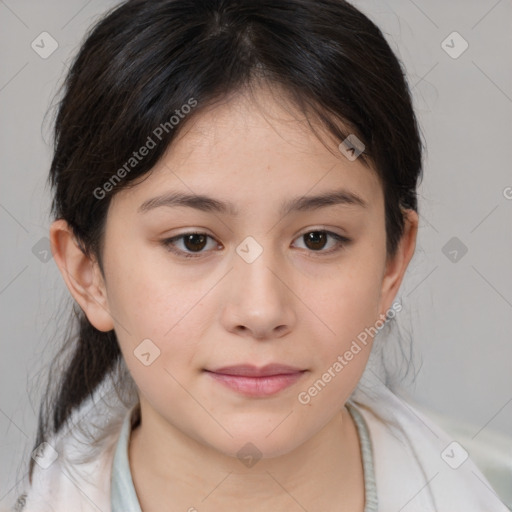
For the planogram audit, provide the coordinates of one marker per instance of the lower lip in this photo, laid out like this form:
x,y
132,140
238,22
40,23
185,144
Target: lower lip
x,y
257,386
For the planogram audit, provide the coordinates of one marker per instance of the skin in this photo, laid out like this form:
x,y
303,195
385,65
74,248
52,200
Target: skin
x,y
293,305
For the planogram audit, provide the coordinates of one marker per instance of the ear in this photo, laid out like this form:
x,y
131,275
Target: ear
x,y
82,275
396,266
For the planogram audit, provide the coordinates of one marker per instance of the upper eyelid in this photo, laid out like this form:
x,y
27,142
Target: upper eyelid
x,y
167,241
181,235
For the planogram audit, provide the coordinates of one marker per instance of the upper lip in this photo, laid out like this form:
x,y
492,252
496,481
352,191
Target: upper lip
x,y
248,370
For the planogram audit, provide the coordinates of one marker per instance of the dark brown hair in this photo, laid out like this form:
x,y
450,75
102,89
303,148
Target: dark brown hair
x,y
147,58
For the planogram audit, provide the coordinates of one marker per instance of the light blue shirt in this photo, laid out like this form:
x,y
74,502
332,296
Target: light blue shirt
x,y
122,491
124,497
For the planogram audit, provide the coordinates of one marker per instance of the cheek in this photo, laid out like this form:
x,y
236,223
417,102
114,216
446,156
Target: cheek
x,y
148,302
147,296
350,308
349,312
350,300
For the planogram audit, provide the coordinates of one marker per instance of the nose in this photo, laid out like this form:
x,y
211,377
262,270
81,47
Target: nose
x,y
260,302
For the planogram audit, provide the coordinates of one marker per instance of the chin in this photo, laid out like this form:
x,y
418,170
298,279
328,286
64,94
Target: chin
x,y
253,444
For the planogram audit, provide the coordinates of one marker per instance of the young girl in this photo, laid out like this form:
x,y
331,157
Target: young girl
x,y
235,209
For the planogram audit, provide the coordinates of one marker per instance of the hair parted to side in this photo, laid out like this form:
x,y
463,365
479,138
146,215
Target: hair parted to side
x,y
146,59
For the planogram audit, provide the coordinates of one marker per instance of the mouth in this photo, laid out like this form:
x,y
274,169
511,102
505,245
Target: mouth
x,y
252,381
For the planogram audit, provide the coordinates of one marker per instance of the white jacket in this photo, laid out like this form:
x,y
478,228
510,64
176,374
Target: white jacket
x,y
418,468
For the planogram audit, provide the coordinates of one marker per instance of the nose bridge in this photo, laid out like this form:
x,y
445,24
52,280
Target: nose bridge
x,y
256,266
258,298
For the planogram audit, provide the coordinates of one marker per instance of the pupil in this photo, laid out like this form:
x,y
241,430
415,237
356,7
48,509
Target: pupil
x,y
316,237
193,238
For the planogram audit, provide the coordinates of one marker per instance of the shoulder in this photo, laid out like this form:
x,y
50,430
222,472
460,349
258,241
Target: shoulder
x,y
72,469
417,465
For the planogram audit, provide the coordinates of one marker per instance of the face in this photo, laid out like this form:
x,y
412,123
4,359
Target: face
x,y
270,278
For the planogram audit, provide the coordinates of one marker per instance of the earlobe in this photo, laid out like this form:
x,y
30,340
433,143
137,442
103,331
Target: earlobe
x,y
397,266
81,275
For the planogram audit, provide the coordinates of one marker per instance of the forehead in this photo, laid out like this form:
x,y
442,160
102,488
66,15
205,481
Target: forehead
x,y
255,148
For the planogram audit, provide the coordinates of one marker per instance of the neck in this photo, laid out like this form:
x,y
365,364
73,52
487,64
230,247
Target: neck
x,y
323,473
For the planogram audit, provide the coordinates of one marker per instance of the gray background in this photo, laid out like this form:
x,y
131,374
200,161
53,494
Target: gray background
x,y
459,313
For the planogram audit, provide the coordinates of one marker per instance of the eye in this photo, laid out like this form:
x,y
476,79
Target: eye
x,y
316,240
194,242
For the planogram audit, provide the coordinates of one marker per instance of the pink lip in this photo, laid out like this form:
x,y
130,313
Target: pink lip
x,y
252,381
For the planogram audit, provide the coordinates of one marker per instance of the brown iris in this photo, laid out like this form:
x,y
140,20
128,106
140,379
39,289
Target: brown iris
x,y
194,241
316,238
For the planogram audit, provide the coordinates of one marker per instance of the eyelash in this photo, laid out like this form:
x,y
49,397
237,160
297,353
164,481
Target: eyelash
x,y
342,242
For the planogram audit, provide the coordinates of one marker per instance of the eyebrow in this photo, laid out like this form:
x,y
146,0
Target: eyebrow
x,y
210,204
